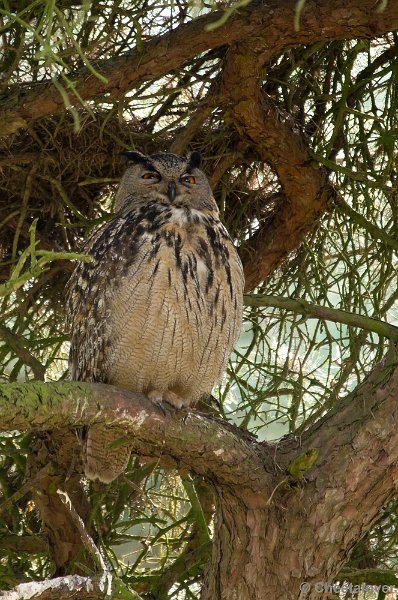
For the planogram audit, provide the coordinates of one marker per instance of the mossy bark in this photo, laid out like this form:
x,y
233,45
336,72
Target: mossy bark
x,y
272,531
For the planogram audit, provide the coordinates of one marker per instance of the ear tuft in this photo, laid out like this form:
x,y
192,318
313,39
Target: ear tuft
x,y
195,159
133,156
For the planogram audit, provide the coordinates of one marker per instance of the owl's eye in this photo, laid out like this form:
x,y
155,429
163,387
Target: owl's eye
x,y
151,175
188,179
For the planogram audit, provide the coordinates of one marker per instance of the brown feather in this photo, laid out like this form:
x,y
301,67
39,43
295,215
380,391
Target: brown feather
x,y
159,307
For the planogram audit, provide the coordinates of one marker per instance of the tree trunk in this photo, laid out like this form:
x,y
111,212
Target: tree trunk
x,y
279,530
290,539
277,551
237,566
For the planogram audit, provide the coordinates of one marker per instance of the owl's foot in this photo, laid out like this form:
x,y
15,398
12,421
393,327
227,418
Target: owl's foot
x,y
170,397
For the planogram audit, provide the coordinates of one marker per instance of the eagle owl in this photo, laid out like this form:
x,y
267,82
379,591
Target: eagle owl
x,y
159,307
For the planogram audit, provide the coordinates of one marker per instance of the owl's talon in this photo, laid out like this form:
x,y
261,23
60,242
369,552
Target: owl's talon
x,y
156,398
161,406
174,400
171,398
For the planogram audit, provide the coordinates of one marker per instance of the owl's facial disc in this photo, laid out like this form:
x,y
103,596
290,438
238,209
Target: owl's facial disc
x,y
166,179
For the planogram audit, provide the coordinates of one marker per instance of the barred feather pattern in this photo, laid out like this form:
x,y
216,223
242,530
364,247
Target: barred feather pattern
x,y
159,307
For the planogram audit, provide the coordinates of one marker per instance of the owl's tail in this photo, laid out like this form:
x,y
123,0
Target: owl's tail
x,y
106,453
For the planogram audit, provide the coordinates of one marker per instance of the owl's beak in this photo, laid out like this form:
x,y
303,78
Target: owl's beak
x,y
172,190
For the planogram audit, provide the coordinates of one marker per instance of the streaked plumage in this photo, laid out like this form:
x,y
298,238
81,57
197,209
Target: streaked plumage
x,y
159,307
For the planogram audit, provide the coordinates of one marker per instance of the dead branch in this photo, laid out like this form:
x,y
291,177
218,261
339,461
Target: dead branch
x,y
71,586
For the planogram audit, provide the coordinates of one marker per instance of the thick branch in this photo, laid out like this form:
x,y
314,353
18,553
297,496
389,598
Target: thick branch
x,y
190,439
54,462
306,192
309,525
273,21
355,476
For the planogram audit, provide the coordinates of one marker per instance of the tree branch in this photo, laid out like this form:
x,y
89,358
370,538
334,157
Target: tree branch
x,y
18,345
54,462
192,440
306,192
273,21
374,231
70,586
310,525
87,540
355,476
32,544
317,311
341,496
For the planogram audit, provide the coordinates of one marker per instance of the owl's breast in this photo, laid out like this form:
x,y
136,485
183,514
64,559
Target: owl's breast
x,y
175,311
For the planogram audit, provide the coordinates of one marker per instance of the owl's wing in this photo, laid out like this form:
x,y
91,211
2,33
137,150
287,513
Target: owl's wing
x,y
88,296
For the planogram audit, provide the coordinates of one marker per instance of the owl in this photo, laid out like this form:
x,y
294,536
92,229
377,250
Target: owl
x,y
159,306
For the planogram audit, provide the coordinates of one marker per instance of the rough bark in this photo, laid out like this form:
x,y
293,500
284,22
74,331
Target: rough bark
x,y
273,21
304,531
306,192
355,477
273,531
219,450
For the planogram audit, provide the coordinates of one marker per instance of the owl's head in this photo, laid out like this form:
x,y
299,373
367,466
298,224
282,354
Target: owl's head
x,y
165,178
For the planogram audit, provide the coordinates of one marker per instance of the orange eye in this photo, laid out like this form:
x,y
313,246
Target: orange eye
x,y
188,179
151,175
